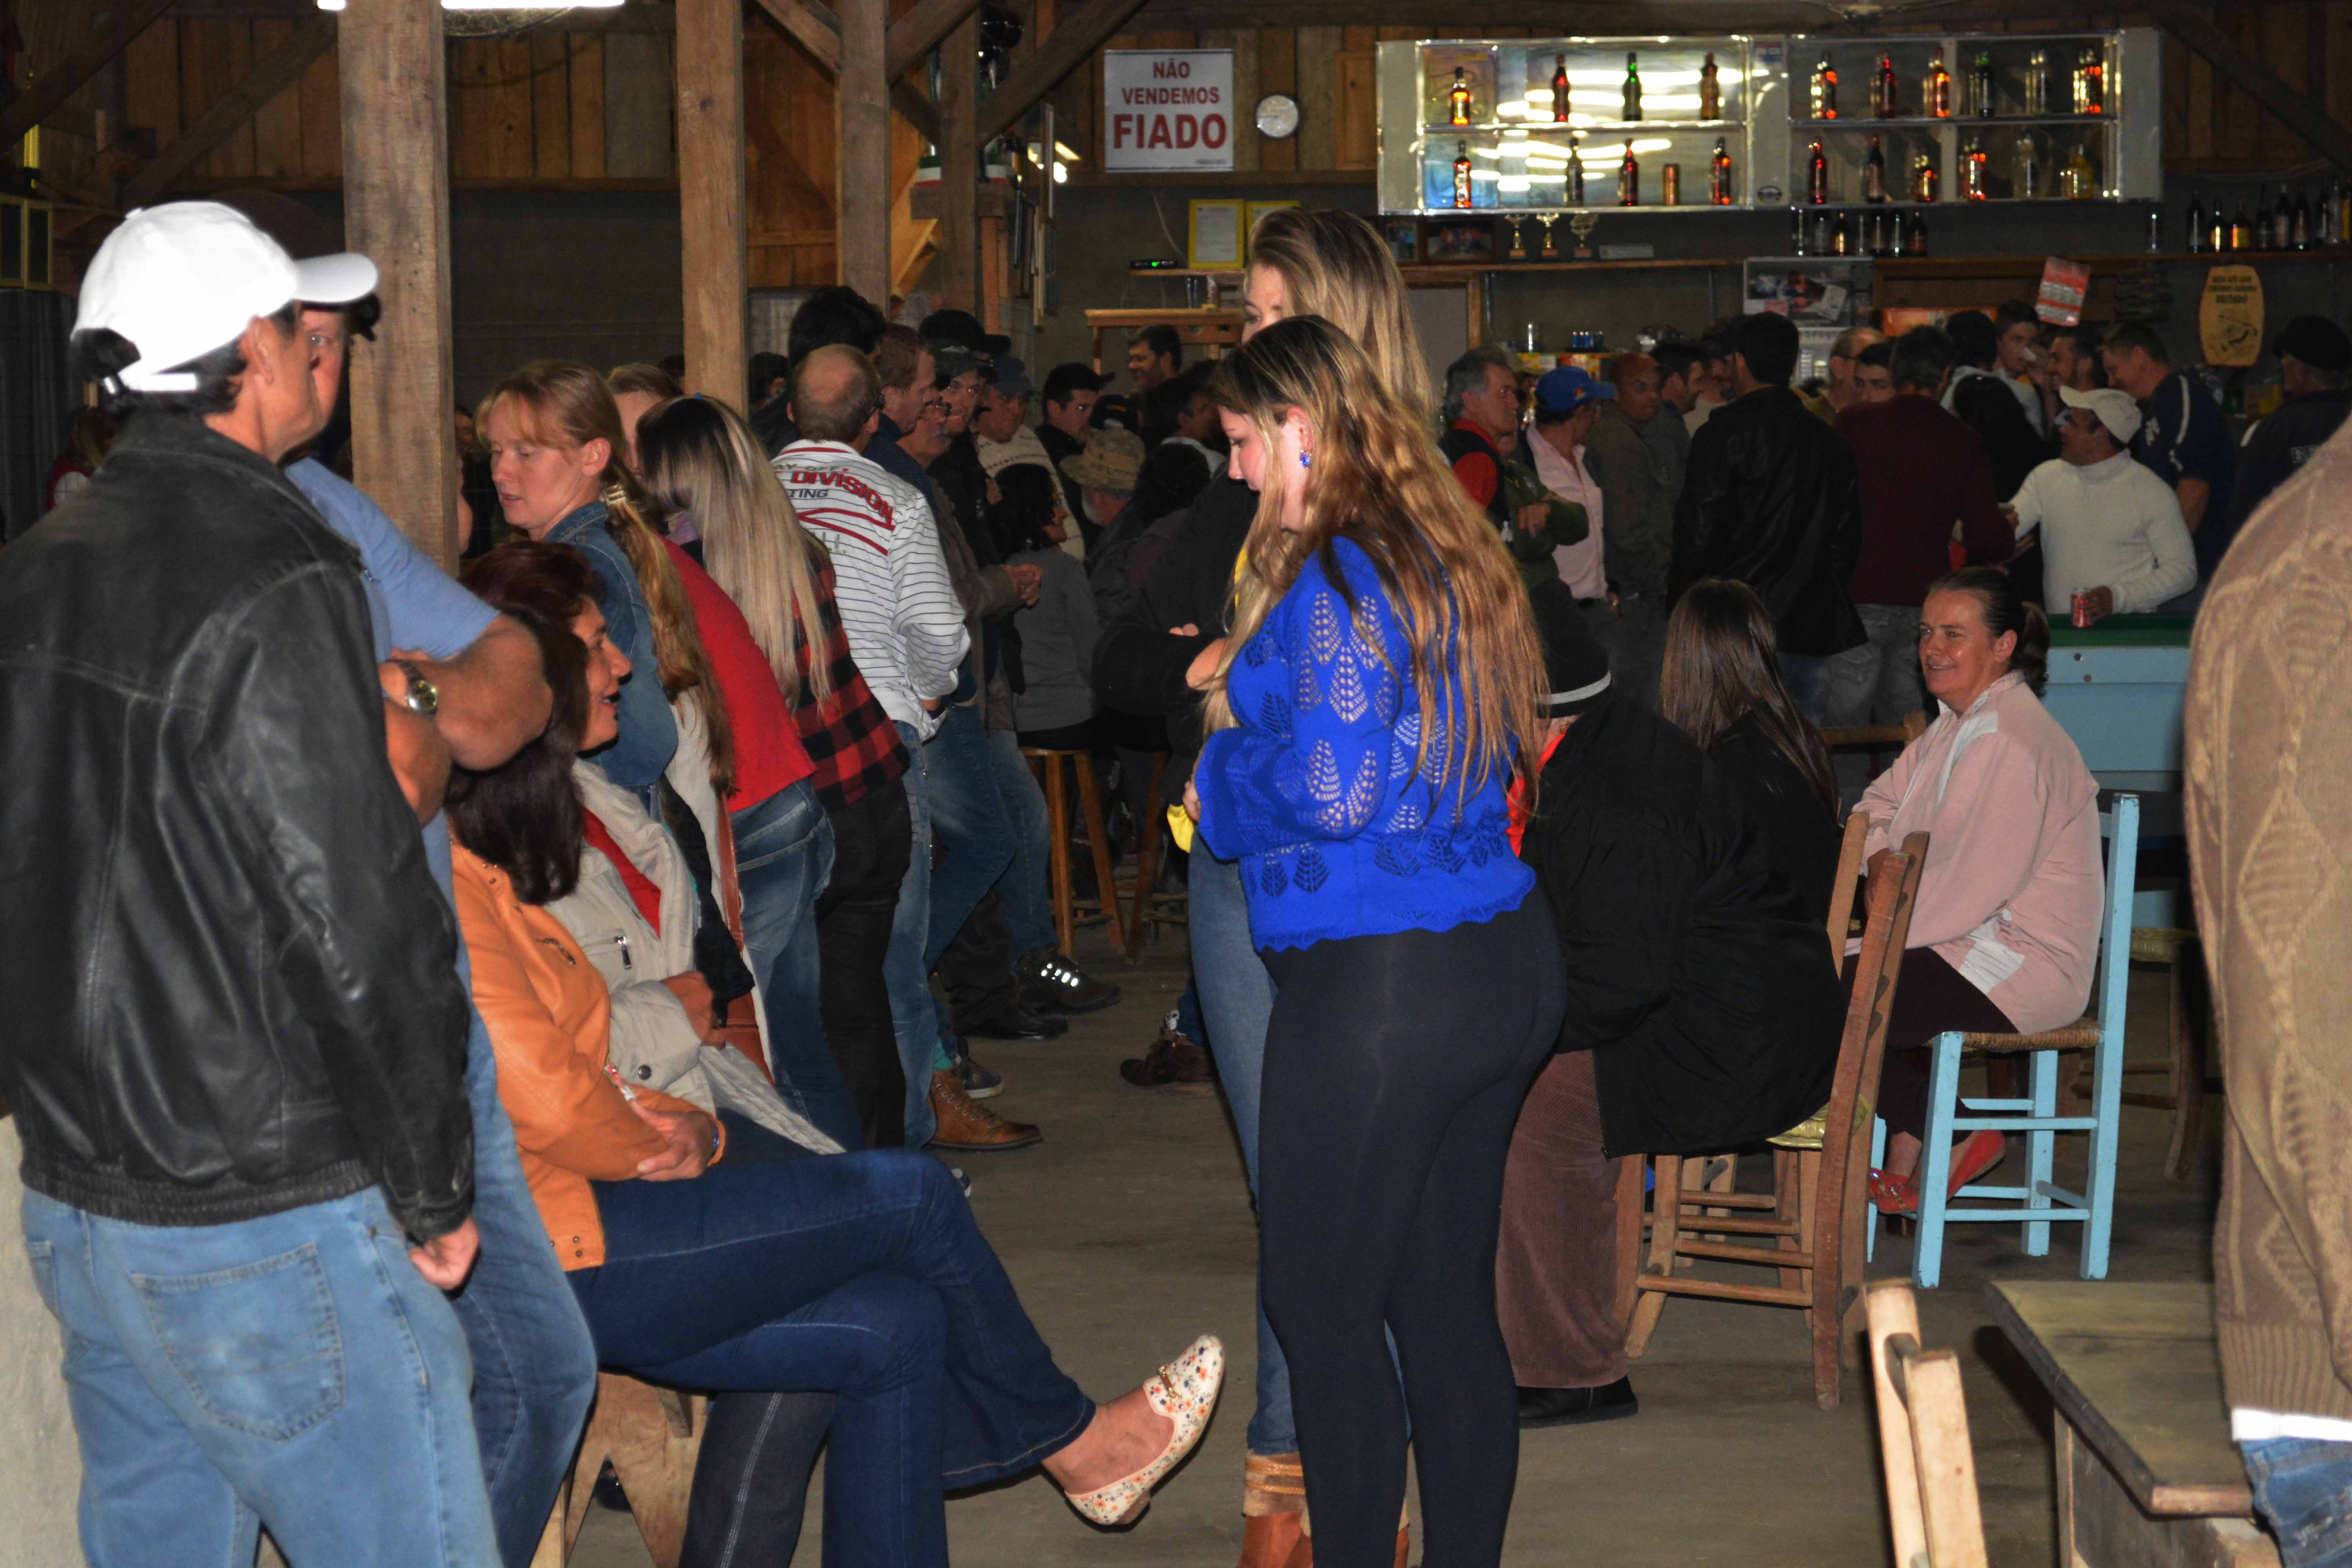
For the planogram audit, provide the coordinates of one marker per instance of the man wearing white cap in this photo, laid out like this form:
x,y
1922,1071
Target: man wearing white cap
x,y
2111,530
237,1042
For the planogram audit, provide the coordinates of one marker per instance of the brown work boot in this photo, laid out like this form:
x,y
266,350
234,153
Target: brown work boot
x,y
1275,1541
1171,1062
968,1126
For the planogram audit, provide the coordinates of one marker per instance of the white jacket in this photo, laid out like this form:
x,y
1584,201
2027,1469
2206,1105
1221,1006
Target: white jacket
x,y
653,1044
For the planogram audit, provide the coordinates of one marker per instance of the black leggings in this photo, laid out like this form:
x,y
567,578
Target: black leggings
x,y
1394,1069
1930,997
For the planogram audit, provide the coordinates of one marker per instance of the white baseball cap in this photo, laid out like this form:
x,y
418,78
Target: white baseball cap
x,y
2115,409
182,280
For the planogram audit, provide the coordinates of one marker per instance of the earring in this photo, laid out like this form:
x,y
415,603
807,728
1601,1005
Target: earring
x,y
1305,461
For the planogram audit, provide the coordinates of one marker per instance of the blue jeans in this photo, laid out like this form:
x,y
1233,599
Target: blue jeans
x,y
903,970
977,835
861,1275
534,1364
1236,1000
1809,683
2303,1491
1028,904
783,859
293,1371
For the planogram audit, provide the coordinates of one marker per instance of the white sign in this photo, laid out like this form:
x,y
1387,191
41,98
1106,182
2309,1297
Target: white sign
x,y
1168,109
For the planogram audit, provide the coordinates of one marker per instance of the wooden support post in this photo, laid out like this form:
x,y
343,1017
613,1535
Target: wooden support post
x,y
711,199
863,204
959,236
397,211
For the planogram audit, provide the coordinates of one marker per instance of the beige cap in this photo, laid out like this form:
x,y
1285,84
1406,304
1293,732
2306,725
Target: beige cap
x,y
1111,461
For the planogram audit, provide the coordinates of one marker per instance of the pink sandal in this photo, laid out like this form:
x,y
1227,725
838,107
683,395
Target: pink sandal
x,y
1894,1194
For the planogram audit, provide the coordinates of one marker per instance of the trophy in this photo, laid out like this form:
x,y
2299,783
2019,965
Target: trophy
x,y
1518,238
1550,246
1584,224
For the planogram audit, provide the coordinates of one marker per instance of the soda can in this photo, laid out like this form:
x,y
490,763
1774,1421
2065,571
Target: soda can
x,y
1674,185
2082,611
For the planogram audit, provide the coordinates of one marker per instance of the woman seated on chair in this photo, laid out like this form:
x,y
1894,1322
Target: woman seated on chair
x,y
1703,1009
1721,684
861,1275
2006,929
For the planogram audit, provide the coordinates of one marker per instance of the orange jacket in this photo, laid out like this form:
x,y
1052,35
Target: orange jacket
x,y
547,1013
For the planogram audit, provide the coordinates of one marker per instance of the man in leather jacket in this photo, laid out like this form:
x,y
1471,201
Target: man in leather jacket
x,y
1770,500
237,1048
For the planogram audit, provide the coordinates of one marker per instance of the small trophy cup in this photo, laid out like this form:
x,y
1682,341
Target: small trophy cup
x,y
1518,238
1584,223
1550,246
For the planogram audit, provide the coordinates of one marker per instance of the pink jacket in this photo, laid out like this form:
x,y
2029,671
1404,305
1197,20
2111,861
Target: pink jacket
x,y
2012,893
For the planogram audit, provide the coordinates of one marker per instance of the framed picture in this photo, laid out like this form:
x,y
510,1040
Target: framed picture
x,y
1217,241
1403,234
1444,240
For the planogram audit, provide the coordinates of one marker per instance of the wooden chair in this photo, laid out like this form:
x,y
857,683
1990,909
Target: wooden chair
x,y
1923,1438
1876,737
1147,906
1055,769
652,1436
2188,1028
1814,1235
2038,1200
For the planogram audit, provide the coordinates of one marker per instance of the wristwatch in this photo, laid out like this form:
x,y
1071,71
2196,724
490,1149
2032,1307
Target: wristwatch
x,y
424,698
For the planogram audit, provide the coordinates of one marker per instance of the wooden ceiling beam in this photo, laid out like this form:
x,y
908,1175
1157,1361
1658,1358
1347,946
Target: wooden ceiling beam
x,y
920,31
624,18
1599,19
271,76
2300,114
1062,51
52,85
816,27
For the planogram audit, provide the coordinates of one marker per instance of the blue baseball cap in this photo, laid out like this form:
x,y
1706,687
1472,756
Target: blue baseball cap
x,y
1562,392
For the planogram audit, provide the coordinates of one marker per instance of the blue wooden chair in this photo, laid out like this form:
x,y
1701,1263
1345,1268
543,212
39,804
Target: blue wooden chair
x,y
2040,1201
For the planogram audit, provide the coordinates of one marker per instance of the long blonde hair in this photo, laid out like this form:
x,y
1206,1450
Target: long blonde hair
x,y
572,402
1334,265
696,456
1378,481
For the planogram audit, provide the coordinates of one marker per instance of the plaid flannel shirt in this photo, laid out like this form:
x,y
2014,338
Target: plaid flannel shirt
x,y
853,742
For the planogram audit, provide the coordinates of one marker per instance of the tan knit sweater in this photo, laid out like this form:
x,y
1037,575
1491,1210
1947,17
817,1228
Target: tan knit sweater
x,y
2270,781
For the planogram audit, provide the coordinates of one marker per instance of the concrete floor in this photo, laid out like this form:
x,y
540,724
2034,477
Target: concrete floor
x,y
1128,1230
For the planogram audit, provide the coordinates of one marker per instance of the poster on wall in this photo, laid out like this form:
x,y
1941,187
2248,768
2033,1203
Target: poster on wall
x,y
1168,109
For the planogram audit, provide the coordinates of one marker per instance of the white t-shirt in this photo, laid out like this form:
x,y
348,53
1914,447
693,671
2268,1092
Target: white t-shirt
x,y
2111,525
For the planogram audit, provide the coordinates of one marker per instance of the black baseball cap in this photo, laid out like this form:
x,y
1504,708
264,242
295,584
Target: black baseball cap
x,y
2317,342
963,328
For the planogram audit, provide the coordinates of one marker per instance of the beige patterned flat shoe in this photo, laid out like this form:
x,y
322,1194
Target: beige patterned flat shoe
x,y
1185,1390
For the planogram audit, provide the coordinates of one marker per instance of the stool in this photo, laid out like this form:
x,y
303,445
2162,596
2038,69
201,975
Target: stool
x,y
1148,906
1053,769
652,1436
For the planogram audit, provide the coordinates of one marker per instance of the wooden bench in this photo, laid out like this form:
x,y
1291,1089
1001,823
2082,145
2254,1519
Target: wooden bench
x,y
2147,1475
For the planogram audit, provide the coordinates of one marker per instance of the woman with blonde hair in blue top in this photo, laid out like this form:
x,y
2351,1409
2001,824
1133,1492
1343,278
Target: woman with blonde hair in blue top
x,y
1377,696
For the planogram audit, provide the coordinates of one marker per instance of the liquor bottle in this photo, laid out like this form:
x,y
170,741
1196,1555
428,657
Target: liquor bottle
x,y
1817,174
2154,230
1874,173
1719,182
1797,231
1629,179
1925,178
2026,168
1917,244
1462,174
1575,172
1710,91
1936,98
2217,229
1841,237
1981,91
1459,99
2090,83
2196,222
1825,89
1874,241
2077,181
2037,82
2242,233
1560,90
2343,212
1821,231
1898,233
1883,101
1631,108
1972,170
2282,223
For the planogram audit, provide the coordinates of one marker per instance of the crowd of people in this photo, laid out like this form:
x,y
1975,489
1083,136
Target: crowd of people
x,y
601,1023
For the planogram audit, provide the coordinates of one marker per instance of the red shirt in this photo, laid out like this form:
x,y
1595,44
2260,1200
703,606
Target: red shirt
x,y
1921,469
769,756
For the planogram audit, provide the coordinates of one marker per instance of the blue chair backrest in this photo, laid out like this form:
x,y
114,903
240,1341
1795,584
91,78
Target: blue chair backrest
x,y
2119,827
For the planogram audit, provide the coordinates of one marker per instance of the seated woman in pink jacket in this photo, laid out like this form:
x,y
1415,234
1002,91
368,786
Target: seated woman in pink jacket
x,y
2007,926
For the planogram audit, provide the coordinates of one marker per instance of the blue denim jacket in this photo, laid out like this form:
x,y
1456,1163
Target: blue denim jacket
x,y
648,731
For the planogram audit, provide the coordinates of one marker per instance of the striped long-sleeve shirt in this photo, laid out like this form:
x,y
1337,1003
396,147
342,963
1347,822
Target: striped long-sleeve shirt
x,y
906,627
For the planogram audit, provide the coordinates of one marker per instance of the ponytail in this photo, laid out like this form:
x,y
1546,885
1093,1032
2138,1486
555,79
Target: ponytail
x,y
2006,610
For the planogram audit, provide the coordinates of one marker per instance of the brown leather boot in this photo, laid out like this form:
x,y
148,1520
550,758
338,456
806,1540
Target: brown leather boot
x,y
968,1126
1274,1541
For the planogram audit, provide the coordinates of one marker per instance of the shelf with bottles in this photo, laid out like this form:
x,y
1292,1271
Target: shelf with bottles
x,y
1860,232
1553,169
1954,77
2297,222
1874,160
1584,82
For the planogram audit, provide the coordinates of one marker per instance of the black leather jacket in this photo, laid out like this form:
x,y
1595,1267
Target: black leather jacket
x,y
1770,500
229,978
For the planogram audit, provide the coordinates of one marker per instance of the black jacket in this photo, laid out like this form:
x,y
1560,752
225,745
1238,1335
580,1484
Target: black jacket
x,y
1704,990
2281,444
231,983
1770,500
1800,836
1139,667
1987,405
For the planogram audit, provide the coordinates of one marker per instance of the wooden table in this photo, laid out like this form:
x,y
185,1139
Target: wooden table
x,y
2147,1477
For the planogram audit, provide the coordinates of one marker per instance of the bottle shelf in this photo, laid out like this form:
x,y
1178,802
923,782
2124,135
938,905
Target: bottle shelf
x,y
1582,127
1937,122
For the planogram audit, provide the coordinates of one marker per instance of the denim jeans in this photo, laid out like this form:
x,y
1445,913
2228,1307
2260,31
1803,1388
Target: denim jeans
x,y
1236,1001
862,1275
1877,683
293,1371
534,1364
1808,678
976,835
784,858
2303,1489
1028,905
912,1014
